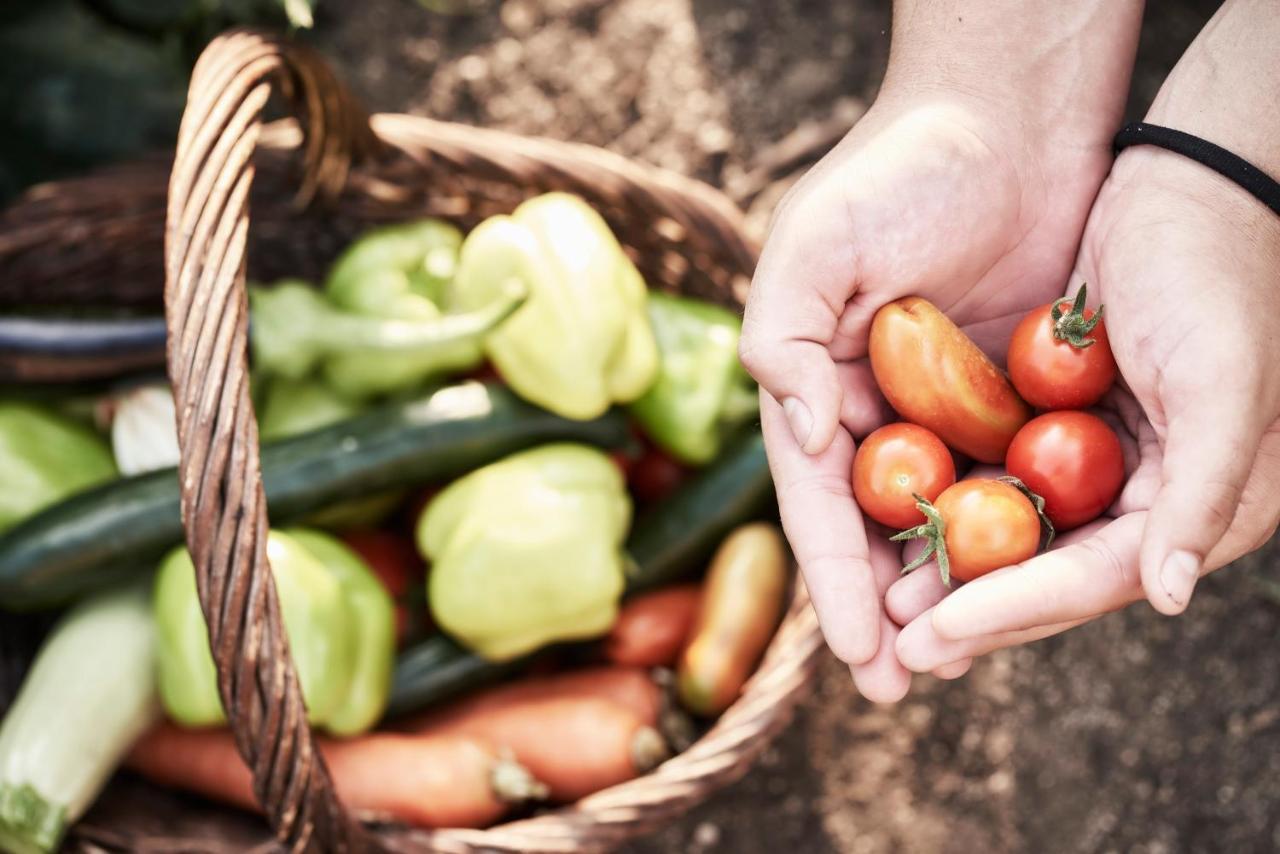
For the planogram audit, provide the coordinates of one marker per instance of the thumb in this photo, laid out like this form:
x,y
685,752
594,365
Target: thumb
x,y
804,278
1208,455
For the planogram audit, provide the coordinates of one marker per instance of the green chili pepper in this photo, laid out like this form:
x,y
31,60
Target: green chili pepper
x,y
702,393
582,340
297,331
339,620
44,457
528,550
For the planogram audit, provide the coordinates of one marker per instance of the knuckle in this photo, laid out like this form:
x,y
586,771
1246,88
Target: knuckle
x,y
826,485
750,352
1217,501
1121,574
1264,536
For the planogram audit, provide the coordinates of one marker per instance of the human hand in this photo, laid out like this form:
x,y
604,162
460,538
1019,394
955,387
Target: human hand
x,y
973,201
1187,264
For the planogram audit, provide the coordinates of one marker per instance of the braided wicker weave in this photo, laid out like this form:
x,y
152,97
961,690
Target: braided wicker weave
x,y
72,242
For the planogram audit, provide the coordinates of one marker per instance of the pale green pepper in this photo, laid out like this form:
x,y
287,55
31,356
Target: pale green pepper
x,y
45,457
297,331
702,393
290,407
528,550
339,620
396,271
582,341
399,272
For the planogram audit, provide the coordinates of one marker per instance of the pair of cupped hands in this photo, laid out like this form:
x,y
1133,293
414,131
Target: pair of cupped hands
x,y
947,197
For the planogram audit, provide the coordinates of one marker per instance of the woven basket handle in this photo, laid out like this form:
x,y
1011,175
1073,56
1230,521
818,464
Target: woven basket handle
x,y
223,507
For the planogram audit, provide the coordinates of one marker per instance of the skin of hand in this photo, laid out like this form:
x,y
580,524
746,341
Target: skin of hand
x,y
957,186
1188,266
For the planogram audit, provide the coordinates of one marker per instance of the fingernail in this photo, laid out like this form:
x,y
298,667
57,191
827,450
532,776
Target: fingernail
x,y
799,417
1178,576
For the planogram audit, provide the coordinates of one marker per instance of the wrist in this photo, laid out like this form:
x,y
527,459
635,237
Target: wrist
x,y
1171,182
1053,76
1226,86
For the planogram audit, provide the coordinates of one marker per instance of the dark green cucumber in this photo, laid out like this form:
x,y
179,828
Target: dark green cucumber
x,y
679,535
672,541
437,669
97,537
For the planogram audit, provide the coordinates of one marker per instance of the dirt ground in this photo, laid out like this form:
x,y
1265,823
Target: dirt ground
x,y
1135,734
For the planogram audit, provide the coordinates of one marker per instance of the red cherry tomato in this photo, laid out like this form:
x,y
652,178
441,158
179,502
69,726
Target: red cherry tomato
x,y
989,524
892,464
654,476
1051,372
1072,460
484,373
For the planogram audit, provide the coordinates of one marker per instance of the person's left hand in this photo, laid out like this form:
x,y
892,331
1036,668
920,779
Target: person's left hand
x,y
1188,266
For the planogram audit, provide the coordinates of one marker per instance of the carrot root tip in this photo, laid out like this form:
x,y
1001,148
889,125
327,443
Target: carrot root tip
x,y
513,783
648,749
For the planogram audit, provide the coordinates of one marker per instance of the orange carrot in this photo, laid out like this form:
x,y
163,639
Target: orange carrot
x,y
652,628
576,745
629,687
444,781
739,610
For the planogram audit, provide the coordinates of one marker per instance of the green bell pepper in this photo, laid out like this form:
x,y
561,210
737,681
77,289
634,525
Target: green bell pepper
x,y
702,393
582,340
339,620
297,331
528,550
45,457
396,271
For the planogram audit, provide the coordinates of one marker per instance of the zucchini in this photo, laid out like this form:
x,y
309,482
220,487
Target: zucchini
x,y
680,535
98,537
438,669
673,540
90,693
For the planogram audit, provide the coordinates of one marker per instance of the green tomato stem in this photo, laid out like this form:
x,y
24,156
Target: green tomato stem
x,y
1047,531
934,532
1073,326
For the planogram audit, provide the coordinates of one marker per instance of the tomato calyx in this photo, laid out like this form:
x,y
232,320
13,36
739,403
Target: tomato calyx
x,y
934,530
1072,326
934,533
1047,531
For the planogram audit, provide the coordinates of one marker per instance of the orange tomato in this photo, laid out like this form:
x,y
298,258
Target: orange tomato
x,y
935,376
990,524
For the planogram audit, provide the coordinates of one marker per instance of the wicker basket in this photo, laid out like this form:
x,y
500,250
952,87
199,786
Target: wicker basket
x,y
81,240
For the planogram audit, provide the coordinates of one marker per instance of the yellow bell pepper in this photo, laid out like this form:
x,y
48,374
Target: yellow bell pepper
x,y
582,340
528,550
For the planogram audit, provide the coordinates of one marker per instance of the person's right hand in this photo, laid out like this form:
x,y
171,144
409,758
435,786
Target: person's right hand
x,y
1187,263
937,196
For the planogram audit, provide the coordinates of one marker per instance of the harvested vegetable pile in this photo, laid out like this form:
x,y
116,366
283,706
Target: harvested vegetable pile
x,y
503,464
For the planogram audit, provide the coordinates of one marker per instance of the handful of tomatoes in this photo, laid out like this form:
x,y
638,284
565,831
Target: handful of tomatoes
x,y
1065,466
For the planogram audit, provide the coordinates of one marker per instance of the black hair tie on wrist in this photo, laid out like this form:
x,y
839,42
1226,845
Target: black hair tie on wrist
x,y
1257,183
